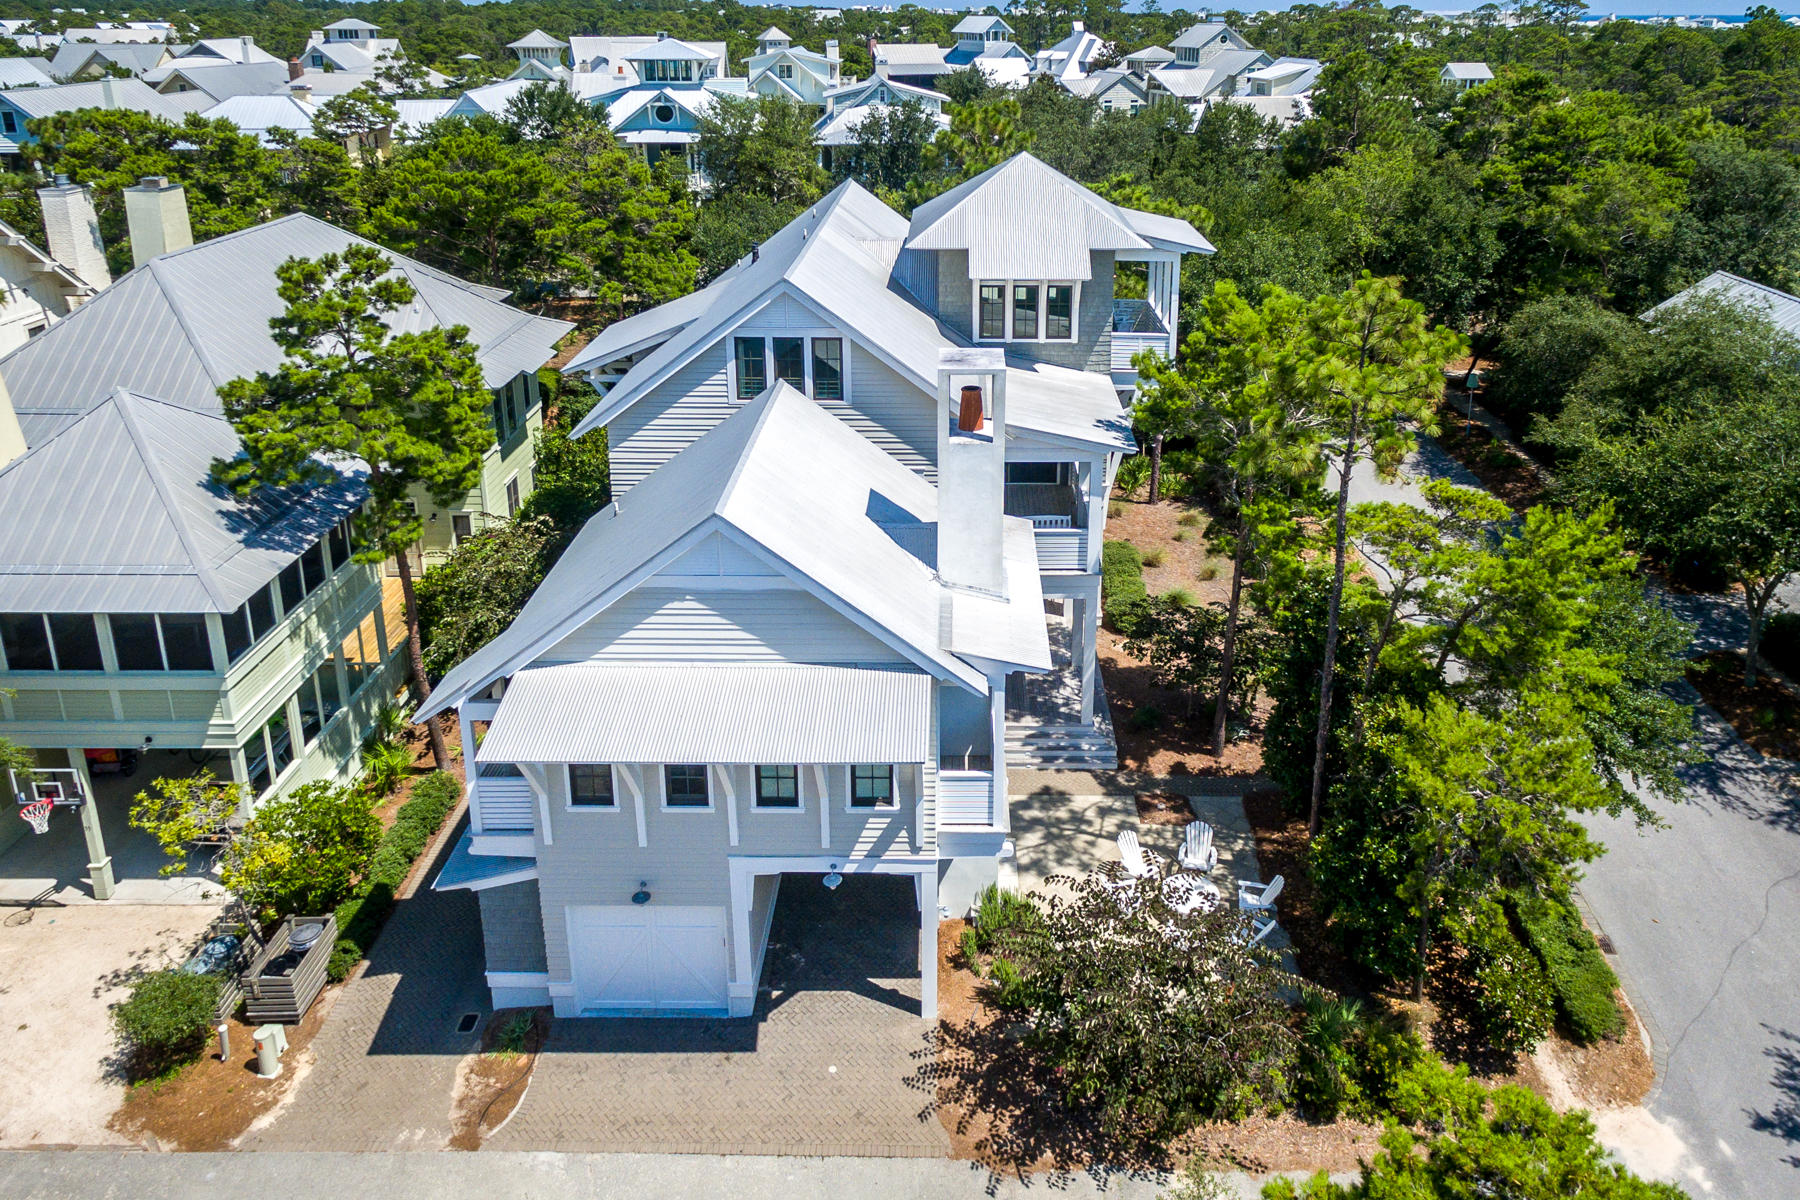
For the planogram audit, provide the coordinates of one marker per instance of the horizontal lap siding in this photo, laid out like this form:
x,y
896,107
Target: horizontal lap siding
x,y
668,420
663,625
890,412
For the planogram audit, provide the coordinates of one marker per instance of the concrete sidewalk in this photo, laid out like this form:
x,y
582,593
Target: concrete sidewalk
x,y
542,1176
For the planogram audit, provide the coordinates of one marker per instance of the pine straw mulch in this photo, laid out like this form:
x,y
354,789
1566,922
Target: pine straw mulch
x,y
1612,1072
1004,1110
490,1084
1502,468
1765,714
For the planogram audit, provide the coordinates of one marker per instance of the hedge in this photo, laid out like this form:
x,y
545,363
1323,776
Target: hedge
x,y
1780,643
361,917
1121,585
1581,983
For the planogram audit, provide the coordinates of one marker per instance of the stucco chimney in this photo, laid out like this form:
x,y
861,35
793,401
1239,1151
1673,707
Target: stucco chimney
x,y
12,438
1077,27
971,421
831,49
245,45
156,214
72,231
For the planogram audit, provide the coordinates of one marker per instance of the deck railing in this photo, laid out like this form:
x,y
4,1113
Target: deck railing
x,y
965,798
1062,549
1126,346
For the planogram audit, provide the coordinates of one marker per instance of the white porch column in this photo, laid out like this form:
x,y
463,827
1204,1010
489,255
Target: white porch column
x,y
997,732
928,938
1086,614
1094,480
470,771
100,871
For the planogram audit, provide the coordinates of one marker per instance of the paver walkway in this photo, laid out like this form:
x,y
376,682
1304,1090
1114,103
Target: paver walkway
x,y
834,1062
384,1063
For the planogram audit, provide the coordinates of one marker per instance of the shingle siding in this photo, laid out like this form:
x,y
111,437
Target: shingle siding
x,y
512,927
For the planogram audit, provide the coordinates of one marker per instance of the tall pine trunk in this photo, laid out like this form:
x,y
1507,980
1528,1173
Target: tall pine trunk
x,y
1323,736
1156,445
415,664
1228,652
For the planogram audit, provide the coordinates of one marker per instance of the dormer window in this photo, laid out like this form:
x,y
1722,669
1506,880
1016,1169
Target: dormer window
x,y
814,365
1025,310
784,70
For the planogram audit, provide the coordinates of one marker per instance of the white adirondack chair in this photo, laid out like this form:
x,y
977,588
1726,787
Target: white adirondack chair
x,y
1131,856
1259,898
1197,850
1258,931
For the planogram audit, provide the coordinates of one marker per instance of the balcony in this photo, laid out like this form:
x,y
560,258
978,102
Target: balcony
x,y
1136,327
1055,512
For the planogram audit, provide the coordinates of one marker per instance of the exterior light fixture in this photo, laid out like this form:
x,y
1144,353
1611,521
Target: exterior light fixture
x,y
642,895
833,879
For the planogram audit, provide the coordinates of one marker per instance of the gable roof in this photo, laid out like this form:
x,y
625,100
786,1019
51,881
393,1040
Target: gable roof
x,y
135,526
220,79
259,114
773,33
858,92
663,49
186,323
826,527
1196,36
237,50
843,125
353,23
21,73
1156,54
132,56
982,216
537,39
979,24
1467,70
133,94
1781,309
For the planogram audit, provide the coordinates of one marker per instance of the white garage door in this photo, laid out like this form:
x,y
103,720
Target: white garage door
x,y
632,956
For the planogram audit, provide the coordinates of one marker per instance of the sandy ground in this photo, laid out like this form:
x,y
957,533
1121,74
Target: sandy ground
x,y
59,974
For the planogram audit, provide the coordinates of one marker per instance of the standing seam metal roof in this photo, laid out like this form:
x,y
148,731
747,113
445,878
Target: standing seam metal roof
x,y
1781,309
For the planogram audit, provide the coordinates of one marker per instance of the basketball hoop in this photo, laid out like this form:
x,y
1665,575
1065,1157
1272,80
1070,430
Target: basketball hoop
x,y
38,814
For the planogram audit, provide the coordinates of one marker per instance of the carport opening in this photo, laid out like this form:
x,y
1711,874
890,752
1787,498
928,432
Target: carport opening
x,y
861,937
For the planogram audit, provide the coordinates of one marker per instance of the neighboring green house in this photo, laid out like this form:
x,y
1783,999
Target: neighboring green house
x,y
142,608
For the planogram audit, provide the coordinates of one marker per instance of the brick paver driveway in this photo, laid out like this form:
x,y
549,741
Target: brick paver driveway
x,y
831,1063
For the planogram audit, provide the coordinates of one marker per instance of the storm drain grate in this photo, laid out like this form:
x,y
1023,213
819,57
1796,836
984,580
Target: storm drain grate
x,y
468,1022
1605,943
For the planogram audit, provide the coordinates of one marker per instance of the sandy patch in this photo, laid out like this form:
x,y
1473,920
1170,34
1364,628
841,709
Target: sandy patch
x,y
60,973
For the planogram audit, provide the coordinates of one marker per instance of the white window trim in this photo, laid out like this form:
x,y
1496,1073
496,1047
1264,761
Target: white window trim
x,y
768,339
893,804
1042,285
756,804
662,786
569,791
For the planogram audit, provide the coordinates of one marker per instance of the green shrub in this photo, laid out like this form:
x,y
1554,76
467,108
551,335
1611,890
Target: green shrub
x,y
1330,1028
970,945
165,1021
1001,915
1132,474
1121,584
1182,596
1180,535
1581,983
1009,985
1780,643
1114,509
1512,998
303,852
1208,571
344,957
1400,1080
384,765
1144,719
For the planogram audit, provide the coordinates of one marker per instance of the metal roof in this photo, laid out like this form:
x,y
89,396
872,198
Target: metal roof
x,y
773,33
45,263
20,72
985,216
819,526
475,872
131,56
222,80
842,128
116,514
1468,70
1161,54
585,712
258,114
665,49
132,94
231,49
979,24
1780,309
1196,36
186,323
537,39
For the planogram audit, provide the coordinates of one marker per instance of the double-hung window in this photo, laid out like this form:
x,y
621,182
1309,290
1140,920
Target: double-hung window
x,y
871,785
814,365
591,785
1025,310
778,787
685,786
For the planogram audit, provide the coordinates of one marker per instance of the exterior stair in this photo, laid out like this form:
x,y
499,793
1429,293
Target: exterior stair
x,y
1035,747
